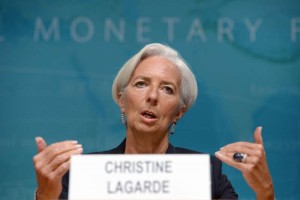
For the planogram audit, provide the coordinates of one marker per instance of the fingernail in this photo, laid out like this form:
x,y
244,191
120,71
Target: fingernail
x,y
74,141
78,146
219,153
80,150
222,148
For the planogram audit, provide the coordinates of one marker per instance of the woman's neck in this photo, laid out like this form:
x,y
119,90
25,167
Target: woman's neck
x,y
145,144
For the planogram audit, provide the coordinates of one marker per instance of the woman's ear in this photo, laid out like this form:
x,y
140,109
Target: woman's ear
x,y
180,112
121,101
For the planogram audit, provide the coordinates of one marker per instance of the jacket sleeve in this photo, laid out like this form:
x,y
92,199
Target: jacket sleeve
x,y
65,187
221,186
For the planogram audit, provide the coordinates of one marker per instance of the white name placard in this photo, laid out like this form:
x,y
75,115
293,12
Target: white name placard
x,y
140,176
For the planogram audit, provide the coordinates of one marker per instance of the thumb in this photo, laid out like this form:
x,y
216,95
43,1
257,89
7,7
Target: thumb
x,y
40,143
257,135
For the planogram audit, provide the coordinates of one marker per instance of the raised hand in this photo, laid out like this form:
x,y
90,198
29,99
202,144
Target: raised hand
x,y
254,167
51,163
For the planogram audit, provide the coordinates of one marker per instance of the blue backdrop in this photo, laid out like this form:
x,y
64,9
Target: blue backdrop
x,y
58,60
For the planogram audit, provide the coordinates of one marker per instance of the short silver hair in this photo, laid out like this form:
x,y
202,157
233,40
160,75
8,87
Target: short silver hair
x,y
188,84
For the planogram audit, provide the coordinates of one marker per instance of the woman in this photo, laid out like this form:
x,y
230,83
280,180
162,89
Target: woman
x,y
153,90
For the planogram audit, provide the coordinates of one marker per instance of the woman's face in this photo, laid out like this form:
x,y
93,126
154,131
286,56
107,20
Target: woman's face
x,y
151,99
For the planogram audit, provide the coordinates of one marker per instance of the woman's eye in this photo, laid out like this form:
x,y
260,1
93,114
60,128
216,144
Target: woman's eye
x,y
168,90
140,84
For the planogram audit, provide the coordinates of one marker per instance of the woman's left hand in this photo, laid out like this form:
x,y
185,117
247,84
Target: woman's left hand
x,y
254,168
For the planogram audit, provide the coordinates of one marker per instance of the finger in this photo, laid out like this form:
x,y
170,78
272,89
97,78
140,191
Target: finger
x,y
242,147
234,146
61,170
229,161
231,155
257,135
40,143
64,157
60,147
55,149
251,162
257,151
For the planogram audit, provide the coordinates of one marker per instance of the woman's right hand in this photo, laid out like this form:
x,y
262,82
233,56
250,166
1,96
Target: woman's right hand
x,y
51,163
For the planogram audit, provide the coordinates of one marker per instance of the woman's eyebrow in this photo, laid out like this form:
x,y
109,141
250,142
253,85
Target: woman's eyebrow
x,y
141,77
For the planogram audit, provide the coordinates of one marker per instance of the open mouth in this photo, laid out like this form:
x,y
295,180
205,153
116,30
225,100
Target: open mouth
x,y
149,115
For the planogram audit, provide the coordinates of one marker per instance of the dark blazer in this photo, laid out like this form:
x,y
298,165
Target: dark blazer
x,y
221,187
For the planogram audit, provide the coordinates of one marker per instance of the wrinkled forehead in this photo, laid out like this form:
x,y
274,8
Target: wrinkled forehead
x,y
160,67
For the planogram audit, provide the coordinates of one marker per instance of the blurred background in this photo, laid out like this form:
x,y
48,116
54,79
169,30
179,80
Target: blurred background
x,y
58,60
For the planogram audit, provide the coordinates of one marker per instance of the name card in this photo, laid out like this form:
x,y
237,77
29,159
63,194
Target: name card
x,y
140,176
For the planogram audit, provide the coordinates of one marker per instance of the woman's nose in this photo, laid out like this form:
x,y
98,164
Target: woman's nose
x,y
152,96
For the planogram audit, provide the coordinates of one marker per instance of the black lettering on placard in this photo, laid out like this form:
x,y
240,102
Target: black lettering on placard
x,y
108,168
145,166
140,187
